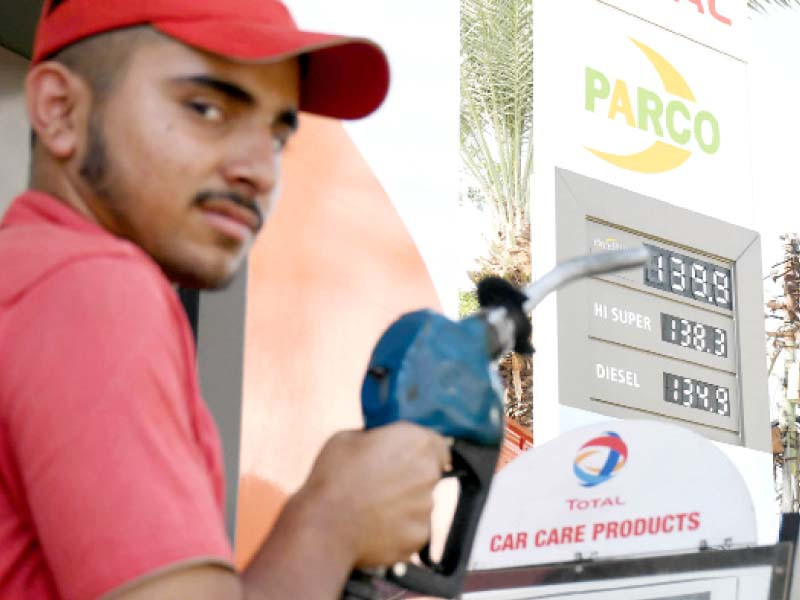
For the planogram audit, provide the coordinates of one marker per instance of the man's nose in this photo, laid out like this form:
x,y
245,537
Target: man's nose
x,y
253,164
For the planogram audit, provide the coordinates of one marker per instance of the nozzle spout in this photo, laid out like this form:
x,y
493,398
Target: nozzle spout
x,y
583,266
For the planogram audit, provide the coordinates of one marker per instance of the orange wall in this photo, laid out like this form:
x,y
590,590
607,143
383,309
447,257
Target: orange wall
x,y
334,266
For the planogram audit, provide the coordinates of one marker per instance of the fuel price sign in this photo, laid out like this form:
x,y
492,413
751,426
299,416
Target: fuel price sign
x,y
679,274
699,336
680,339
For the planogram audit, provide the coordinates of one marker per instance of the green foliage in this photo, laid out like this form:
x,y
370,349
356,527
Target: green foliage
x,y
472,197
497,107
467,303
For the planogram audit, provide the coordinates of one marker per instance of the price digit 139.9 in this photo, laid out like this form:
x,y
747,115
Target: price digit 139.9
x,y
677,274
722,288
655,269
700,282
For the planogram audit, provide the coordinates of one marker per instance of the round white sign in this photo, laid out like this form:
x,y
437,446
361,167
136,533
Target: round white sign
x,y
620,488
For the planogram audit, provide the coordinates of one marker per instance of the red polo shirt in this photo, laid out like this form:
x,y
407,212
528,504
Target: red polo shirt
x,y
110,464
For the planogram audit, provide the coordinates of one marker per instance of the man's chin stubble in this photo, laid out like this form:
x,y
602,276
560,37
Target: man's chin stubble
x,y
95,170
198,278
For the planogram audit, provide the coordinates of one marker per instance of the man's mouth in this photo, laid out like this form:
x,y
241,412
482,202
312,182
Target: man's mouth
x,y
231,214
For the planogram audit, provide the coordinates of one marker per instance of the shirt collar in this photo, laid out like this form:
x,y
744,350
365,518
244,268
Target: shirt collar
x,y
34,206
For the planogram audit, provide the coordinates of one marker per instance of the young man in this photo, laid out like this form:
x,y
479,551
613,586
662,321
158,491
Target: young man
x,y
159,126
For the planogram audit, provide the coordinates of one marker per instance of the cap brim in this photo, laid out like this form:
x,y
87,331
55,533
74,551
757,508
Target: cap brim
x,y
347,78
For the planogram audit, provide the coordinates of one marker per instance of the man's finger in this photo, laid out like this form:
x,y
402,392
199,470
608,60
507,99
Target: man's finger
x,y
447,454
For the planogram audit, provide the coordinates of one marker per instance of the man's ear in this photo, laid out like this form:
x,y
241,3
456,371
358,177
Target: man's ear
x,y
58,103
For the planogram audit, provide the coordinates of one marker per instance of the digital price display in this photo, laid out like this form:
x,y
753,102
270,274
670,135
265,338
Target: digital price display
x,y
664,340
689,334
697,394
668,325
680,274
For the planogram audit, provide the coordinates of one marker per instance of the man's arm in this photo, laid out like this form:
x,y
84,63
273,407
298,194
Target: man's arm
x,y
367,502
120,490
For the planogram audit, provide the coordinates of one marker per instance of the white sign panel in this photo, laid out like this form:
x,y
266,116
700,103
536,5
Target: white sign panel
x,y
626,96
720,24
743,584
621,488
633,104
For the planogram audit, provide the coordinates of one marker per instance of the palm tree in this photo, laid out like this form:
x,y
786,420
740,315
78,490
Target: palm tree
x,y
761,5
496,149
497,107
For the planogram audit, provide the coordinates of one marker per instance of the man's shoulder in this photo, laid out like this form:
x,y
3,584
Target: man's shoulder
x,y
36,253
41,236
86,308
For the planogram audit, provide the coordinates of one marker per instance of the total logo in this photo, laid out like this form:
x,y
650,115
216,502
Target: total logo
x,y
712,10
672,118
600,459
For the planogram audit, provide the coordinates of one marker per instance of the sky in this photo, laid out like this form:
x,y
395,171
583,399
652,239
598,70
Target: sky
x,y
774,97
411,143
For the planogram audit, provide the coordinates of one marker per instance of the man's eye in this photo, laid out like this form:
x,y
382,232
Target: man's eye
x,y
209,112
281,137
280,142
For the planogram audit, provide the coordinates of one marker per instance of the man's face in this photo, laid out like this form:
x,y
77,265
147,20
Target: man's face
x,y
183,157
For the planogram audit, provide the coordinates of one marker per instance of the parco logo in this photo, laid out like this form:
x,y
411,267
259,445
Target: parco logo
x,y
676,119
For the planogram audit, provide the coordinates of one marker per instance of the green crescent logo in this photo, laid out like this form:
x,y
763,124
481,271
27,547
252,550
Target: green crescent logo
x,y
672,118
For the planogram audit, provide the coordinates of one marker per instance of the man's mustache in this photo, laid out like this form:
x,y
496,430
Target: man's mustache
x,y
242,201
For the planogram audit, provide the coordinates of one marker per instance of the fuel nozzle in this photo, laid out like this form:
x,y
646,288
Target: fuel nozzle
x,y
502,304
506,308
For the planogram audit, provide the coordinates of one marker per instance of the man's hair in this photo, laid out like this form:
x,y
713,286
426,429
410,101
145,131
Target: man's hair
x,y
54,4
101,60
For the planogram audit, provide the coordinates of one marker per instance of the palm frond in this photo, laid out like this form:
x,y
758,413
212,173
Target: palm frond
x,y
761,5
497,105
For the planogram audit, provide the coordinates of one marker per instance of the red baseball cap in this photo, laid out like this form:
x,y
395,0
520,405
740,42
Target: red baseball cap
x,y
347,77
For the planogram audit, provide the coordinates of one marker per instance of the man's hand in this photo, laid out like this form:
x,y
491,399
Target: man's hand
x,y
376,489
367,502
